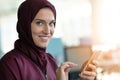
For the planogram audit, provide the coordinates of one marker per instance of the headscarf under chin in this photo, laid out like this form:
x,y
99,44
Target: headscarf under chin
x,y
26,13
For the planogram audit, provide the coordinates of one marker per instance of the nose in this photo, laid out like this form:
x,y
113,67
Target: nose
x,y
46,29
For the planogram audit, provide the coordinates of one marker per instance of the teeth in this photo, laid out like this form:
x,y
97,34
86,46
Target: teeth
x,y
44,37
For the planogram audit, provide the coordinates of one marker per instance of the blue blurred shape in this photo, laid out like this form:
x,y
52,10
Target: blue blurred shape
x,y
56,48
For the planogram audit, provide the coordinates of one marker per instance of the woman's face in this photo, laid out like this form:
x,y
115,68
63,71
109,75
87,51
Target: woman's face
x,y
42,27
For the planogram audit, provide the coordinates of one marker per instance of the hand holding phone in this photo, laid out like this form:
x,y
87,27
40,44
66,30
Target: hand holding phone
x,y
94,56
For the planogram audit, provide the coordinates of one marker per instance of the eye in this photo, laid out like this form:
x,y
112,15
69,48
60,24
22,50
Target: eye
x,y
52,24
39,23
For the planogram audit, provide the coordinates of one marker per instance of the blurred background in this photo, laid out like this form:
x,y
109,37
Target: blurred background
x,y
83,27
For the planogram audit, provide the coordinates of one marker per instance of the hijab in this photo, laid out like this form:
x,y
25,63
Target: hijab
x,y
26,13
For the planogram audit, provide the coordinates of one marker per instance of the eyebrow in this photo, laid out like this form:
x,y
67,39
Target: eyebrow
x,y
45,21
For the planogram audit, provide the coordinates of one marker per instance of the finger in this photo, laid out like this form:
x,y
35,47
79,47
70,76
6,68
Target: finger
x,y
66,66
94,62
71,64
88,75
92,67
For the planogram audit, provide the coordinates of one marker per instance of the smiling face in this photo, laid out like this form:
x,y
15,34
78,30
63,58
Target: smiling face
x,y
42,27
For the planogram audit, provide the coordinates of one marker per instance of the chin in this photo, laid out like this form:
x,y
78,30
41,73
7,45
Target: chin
x,y
42,46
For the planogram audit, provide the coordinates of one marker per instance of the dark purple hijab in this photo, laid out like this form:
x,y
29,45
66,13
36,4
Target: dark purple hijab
x,y
26,13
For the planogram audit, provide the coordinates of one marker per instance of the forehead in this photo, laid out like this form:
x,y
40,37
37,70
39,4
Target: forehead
x,y
45,13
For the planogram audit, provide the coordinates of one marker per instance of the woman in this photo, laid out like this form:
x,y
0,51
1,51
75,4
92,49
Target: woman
x,y
28,60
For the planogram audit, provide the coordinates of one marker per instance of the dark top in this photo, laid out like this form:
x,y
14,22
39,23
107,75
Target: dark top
x,y
17,66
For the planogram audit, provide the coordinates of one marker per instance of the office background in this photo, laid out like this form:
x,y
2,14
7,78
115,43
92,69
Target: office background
x,y
93,23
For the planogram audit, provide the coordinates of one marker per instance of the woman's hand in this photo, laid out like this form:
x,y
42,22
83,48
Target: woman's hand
x,y
90,73
63,70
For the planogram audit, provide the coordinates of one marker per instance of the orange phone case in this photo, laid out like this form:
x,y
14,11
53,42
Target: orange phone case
x,y
94,56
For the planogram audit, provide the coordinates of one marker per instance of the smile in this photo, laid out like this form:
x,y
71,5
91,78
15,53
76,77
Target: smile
x,y
44,38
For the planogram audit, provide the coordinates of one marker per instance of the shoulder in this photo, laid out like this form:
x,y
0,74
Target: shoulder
x,y
11,58
9,65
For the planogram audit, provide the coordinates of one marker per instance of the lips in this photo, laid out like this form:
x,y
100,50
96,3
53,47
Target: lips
x,y
44,38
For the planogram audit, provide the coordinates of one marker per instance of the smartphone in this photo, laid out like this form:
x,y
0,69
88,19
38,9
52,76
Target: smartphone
x,y
94,56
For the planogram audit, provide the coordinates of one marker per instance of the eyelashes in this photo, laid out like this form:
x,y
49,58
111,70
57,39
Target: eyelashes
x,y
52,23
39,23
43,23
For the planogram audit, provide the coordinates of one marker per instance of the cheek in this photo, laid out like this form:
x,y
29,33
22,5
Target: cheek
x,y
35,33
35,30
52,31
34,36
